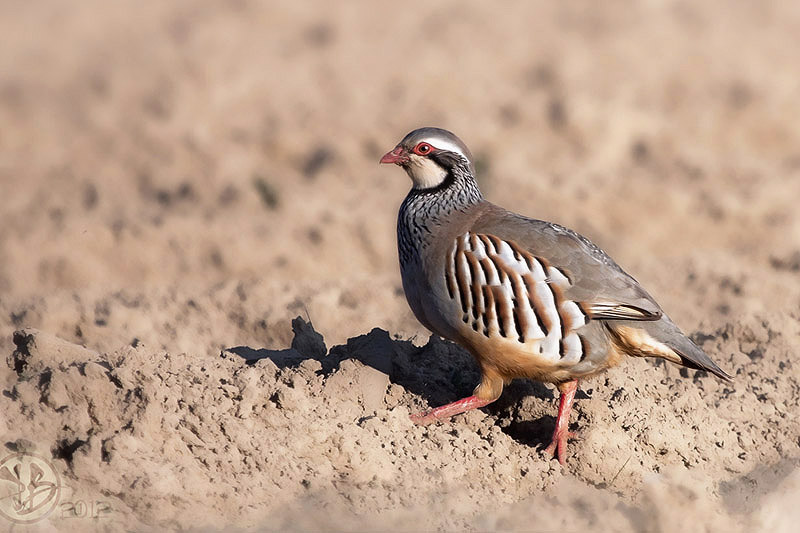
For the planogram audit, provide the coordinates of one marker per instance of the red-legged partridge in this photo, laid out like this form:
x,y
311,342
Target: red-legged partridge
x,y
527,298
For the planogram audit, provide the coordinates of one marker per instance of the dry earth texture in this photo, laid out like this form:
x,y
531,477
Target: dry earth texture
x,y
180,180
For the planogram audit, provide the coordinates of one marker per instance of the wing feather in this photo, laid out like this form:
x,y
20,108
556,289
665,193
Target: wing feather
x,y
505,291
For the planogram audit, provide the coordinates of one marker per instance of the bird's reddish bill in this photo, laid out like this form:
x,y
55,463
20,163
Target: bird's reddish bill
x,y
395,156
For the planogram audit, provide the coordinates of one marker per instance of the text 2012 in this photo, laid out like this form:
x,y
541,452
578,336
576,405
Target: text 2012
x,y
85,509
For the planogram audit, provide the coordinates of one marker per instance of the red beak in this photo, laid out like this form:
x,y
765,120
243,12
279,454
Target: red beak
x,y
397,156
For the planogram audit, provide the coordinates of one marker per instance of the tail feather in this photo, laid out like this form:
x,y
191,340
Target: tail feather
x,y
697,359
691,355
663,339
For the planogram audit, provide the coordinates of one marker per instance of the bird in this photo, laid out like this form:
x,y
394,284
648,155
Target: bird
x,y
526,298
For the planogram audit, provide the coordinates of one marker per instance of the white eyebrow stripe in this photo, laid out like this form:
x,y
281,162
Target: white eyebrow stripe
x,y
443,144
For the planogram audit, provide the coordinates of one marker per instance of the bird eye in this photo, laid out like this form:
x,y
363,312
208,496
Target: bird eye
x,y
423,148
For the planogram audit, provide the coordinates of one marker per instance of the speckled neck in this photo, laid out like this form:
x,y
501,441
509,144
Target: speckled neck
x,y
423,211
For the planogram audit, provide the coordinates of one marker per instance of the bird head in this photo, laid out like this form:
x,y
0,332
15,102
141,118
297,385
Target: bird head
x,y
429,155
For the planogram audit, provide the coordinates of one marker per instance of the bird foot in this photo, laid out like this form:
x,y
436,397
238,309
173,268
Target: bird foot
x,y
424,418
446,411
558,446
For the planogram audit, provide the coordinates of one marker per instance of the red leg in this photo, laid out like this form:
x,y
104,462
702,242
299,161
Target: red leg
x,y
558,447
446,411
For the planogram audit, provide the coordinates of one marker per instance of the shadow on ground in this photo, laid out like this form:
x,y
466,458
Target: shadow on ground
x,y
439,372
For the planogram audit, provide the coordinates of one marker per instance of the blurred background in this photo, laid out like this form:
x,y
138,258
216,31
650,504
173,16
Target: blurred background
x,y
177,178
193,143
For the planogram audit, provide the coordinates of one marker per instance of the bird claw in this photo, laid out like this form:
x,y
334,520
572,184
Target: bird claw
x,y
558,446
424,418
446,411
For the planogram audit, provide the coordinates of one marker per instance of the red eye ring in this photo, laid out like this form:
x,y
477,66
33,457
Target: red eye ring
x,y
423,149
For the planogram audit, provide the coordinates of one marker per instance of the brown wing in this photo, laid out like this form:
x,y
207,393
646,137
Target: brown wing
x,y
603,289
594,277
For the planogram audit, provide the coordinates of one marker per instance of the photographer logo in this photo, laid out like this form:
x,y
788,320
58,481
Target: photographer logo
x,y
29,488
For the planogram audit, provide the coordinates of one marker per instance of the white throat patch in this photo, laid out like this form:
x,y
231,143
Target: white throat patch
x,y
424,172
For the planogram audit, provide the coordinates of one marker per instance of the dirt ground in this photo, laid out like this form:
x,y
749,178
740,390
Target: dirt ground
x,y
197,255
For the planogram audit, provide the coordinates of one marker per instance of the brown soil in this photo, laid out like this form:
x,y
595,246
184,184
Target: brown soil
x,y
180,181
